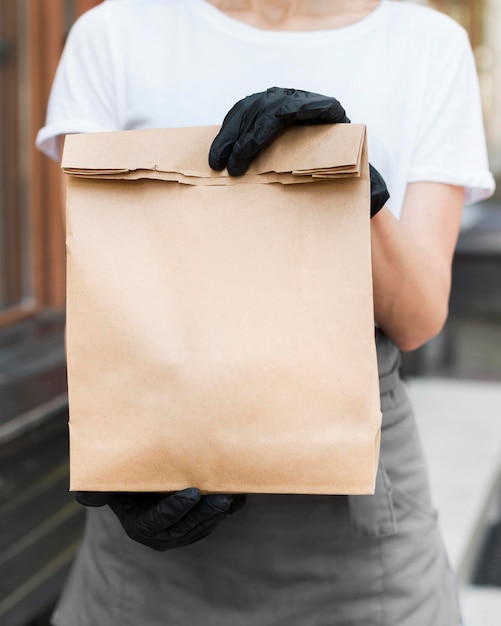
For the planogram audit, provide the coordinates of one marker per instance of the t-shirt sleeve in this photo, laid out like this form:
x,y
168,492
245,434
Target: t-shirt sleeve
x,y
451,146
82,97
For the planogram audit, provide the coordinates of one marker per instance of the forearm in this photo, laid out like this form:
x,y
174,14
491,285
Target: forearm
x,y
410,294
412,260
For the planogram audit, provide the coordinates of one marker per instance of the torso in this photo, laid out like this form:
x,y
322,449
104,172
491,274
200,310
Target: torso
x,y
155,75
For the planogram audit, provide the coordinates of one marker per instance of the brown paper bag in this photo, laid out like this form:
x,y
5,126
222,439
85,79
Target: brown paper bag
x,y
220,330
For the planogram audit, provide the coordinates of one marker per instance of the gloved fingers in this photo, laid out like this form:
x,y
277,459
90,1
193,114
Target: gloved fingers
x,y
201,530
219,154
247,127
265,128
256,120
166,512
209,512
165,541
315,108
212,507
164,522
93,498
234,123
208,525
237,503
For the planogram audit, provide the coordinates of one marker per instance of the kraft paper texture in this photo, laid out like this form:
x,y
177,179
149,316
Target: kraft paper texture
x,y
220,330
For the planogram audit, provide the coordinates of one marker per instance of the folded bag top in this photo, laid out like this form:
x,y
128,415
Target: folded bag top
x,y
220,330
181,154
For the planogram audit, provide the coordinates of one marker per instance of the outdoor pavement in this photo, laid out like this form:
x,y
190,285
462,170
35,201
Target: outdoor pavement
x,y
460,424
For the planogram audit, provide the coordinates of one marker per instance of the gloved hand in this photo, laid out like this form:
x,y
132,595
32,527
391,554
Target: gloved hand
x,y
256,120
165,521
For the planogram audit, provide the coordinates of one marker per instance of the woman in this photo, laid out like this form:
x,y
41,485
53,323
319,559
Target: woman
x,y
408,73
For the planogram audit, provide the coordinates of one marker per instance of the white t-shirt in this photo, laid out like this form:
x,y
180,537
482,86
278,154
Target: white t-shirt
x,y
405,70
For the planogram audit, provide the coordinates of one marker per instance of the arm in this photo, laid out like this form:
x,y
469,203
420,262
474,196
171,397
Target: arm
x,y
412,257
412,260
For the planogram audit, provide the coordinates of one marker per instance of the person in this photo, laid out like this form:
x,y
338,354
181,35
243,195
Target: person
x,y
407,72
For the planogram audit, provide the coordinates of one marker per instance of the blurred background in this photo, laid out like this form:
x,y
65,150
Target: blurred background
x,y
459,372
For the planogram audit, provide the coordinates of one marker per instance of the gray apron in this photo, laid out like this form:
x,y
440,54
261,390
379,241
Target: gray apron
x,y
286,560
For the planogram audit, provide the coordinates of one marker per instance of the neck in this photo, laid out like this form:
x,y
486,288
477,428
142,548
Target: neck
x,y
296,14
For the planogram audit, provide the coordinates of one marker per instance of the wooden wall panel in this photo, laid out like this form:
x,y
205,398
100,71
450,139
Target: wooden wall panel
x,y
10,262
46,37
47,26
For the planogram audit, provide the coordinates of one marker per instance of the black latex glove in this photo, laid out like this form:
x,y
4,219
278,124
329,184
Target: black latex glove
x,y
166,521
379,191
256,120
